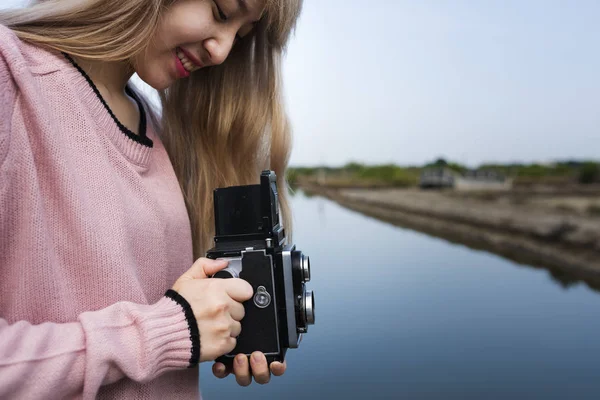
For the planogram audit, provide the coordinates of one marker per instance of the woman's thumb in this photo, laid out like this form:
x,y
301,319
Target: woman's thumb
x,y
205,267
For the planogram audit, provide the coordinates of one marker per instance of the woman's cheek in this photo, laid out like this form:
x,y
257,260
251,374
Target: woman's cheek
x,y
155,74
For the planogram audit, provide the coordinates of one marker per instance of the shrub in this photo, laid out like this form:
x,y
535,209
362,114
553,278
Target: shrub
x,y
589,173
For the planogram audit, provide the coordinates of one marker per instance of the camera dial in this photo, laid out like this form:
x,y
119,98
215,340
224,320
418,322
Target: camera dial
x,y
225,274
309,307
305,265
233,269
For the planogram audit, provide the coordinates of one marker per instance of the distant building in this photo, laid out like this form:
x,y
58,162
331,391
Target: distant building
x,y
480,179
438,177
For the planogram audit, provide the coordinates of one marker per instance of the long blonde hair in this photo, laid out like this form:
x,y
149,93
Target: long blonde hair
x,y
222,126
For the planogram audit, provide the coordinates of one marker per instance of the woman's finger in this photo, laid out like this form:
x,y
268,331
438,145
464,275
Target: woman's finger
x,y
260,369
236,310
236,328
278,368
241,369
219,370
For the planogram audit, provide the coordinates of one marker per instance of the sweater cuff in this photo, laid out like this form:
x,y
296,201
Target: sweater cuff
x,y
192,325
166,337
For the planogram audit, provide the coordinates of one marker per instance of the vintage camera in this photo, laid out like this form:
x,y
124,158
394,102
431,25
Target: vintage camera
x,y
250,235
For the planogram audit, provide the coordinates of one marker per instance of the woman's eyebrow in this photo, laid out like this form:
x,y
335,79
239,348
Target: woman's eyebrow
x,y
242,4
244,7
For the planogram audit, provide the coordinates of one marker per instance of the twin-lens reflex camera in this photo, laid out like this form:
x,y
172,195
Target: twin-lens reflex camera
x,y
250,236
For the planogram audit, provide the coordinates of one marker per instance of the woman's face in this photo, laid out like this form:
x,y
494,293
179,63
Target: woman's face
x,y
193,34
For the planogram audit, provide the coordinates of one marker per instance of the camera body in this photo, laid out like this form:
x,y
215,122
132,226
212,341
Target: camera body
x,y
250,236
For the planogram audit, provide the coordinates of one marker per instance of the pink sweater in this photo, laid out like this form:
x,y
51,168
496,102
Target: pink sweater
x,y
93,231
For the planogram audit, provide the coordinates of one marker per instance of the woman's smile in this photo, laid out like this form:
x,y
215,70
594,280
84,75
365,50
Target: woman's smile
x,y
185,63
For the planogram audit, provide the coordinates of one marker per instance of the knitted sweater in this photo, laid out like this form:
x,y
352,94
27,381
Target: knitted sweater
x,y
93,231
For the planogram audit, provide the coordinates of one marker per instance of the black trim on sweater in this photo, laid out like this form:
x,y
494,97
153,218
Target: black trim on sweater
x,y
192,325
141,138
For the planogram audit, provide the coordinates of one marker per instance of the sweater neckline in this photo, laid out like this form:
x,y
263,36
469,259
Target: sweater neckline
x,y
142,137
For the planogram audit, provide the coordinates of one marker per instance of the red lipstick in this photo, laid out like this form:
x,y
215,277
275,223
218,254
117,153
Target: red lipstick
x,y
181,71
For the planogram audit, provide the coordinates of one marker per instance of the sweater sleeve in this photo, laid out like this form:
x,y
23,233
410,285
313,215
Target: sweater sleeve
x,y
8,95
123,340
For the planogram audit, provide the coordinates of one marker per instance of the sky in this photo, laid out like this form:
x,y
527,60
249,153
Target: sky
x,y
406,82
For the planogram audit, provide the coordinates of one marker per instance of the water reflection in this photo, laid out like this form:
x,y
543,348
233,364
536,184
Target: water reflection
x,y
564,277
405,315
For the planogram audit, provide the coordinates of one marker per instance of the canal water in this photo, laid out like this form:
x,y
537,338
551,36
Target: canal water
x,y
402,315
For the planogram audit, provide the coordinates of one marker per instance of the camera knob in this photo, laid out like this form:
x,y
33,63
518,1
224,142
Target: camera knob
x,y
309,307
226,274
305,265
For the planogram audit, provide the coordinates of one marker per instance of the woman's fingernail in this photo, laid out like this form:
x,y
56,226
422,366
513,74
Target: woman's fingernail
x,y
240,360
255,358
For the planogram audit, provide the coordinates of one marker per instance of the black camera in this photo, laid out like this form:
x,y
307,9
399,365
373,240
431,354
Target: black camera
x,y
249,234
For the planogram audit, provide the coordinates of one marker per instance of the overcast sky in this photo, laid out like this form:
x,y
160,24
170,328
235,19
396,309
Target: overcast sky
x,y
473,81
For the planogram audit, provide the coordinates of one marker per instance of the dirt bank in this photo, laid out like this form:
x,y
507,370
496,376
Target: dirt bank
x,y
529,232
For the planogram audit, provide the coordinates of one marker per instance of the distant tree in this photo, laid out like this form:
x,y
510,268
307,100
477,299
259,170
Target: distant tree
x,y
353,167
292,176
457,167
440,162
589,173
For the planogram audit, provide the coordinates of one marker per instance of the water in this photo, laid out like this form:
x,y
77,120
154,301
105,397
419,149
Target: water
x,y
400,314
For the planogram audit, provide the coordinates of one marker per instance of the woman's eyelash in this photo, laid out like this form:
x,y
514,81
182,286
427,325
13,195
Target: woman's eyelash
x,y
222,15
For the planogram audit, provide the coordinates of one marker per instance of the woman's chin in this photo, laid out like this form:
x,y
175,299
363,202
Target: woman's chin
x,y
162,86
156,81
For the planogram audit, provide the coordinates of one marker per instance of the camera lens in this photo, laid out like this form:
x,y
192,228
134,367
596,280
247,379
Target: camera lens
x,y
300,266
305,265
309,307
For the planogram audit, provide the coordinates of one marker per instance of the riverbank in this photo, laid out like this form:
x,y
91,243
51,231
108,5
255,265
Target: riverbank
x,y
559,233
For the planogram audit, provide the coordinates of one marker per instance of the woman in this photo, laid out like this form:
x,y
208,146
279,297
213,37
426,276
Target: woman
x,y
105,206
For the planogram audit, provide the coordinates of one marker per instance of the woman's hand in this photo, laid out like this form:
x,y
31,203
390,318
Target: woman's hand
x,y
244,371
217,306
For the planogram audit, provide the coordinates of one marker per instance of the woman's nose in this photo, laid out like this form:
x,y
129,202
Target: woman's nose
x,y
219,48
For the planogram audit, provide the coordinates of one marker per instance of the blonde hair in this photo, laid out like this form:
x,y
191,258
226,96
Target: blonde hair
x,y
222,126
